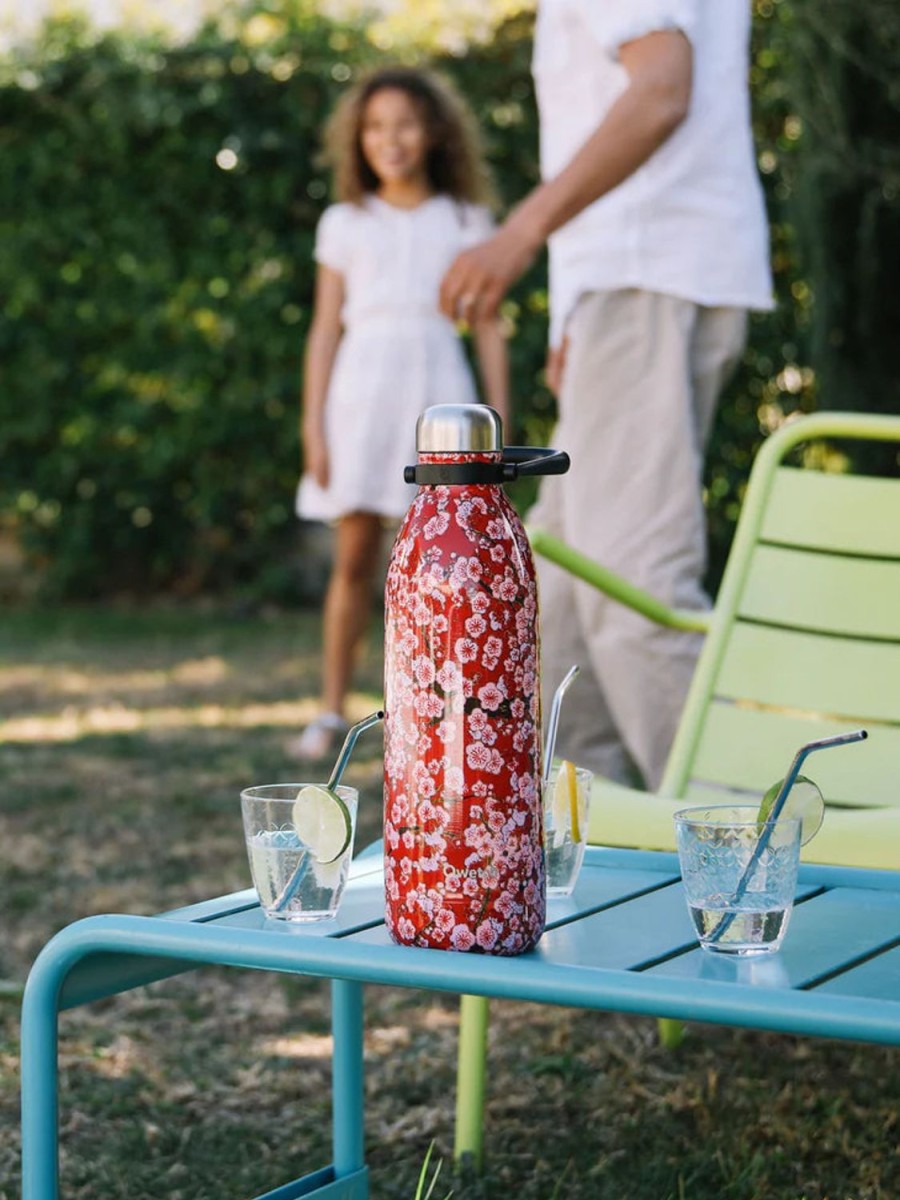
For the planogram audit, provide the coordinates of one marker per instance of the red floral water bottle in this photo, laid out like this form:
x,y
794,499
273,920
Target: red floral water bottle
x,y
462,804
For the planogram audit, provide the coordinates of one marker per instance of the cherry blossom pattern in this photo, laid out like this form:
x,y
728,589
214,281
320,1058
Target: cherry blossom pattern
x,y
462,816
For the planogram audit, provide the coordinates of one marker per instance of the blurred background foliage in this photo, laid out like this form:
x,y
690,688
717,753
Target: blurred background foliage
x,y
158,201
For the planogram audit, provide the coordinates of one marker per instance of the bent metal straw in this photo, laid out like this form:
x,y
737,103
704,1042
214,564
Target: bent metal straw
x,y
841,739
333,780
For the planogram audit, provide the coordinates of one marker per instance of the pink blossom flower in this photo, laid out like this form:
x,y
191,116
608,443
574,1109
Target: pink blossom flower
x,y
498,554
490,697
450,676
439,623
478,722
436,525
459,573
489,734
447,731
470,886
465,650
493,646
477,756
462,938
423,669
490,876
405,929
486,935
445,920
475,626
429,704
480,603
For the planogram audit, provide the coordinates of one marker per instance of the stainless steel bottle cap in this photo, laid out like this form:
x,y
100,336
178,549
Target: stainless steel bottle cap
x,y
457,428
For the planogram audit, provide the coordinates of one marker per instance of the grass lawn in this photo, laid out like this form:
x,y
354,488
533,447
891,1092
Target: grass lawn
x,y
124,741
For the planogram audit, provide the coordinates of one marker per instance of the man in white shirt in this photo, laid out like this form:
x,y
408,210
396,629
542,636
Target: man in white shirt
x,y
658,246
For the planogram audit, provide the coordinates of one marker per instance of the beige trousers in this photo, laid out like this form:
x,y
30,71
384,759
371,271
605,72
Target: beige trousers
x,y
642,376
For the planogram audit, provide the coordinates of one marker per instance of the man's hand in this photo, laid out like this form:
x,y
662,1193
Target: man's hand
x,y
555,365
479,278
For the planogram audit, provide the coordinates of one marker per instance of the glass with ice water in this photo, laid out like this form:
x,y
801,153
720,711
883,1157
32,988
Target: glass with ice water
x,y
299,842
739,876
567,795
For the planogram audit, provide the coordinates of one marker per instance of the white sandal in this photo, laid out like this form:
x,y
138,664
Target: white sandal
x,y
319,738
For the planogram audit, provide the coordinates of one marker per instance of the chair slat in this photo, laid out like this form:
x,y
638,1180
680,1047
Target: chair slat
x,y
750,748
856,514
826,592
813,673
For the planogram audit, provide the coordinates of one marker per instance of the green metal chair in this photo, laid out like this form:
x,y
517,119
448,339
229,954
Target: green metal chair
x,y
803,642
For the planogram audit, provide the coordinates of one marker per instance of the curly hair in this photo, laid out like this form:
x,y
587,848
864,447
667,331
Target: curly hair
x,y
455,163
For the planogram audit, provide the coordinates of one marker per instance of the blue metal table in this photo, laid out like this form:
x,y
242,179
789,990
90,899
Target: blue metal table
x,y
623,942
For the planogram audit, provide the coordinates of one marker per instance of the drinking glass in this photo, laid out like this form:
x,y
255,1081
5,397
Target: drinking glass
x,y
563,851
739,876
291,881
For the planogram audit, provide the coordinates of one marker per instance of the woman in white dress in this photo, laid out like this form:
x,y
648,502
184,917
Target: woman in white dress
x,y
411,185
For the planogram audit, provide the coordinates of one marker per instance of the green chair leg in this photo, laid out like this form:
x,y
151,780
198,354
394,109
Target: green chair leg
x,y
474,1012
671,1032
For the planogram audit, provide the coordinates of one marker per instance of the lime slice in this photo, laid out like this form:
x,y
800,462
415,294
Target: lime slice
x,y
323,823
804,800
564,805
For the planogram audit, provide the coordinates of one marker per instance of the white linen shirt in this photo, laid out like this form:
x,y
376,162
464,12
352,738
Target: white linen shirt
x,y
691,220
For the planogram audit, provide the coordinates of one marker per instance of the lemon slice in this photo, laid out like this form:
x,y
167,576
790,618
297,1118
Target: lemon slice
x,y
323,822
564,805
804,800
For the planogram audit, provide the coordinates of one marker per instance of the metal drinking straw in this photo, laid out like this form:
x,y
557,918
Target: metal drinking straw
x,y
334,779
553,725
840,739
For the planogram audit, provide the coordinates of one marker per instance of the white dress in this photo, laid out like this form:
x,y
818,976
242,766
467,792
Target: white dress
x,y
398,354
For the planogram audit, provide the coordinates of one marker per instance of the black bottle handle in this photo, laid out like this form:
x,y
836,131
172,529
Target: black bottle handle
x,y
533,460
516,461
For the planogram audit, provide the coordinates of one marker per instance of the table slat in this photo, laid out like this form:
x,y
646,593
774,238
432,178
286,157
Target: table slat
x,y
878,979
825,933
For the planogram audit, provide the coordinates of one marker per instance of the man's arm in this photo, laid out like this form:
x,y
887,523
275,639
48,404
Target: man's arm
x,y
653,105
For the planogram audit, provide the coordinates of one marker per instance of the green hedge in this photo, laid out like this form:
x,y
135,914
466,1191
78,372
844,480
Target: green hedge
x,y
157,208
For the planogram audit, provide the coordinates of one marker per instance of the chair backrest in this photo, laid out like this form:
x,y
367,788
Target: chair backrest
x,y
805,639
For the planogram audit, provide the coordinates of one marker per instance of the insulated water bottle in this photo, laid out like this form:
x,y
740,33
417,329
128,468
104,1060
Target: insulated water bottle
x,y
462,806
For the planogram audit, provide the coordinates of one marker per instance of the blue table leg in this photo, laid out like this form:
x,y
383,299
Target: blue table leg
x,y
40,1079
347,1077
